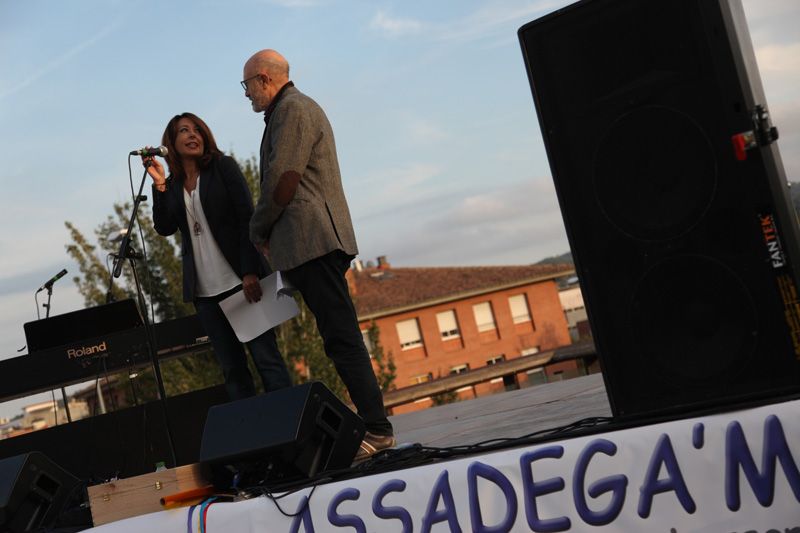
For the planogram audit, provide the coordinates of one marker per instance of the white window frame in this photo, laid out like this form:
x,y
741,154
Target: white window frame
x,y
459,369
410,331
493,361
448,324
421,378
496,359
520,310
480,309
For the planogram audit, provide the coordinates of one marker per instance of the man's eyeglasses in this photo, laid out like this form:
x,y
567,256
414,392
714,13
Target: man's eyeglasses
x,y
244,82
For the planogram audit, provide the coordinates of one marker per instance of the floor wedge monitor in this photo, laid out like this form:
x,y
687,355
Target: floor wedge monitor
x,y
674,198
285,435
33,492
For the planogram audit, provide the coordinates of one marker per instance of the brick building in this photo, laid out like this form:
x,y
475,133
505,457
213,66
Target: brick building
x,y
448,320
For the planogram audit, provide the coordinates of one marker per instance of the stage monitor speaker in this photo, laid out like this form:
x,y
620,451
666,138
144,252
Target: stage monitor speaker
x,y
285,435
674,200
33,491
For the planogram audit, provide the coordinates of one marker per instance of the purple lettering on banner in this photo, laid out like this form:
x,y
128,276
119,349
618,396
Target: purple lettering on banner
x,y
344,520
531,490
664,455
614,484
698,435
737,455
302,516
388,513
441,490
489,473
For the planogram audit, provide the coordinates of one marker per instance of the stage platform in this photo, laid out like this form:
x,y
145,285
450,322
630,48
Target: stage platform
x,y
731,470
505,415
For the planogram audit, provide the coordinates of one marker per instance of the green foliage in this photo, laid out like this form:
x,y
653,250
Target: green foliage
x,y
443,398
387,370
250,170
159,276
302,347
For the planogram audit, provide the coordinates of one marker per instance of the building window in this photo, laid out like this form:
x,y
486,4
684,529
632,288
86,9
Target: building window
x,y
484,317
493,361
529,351
459,369
536,377
421,378
367,342
520,312
408,332
448,327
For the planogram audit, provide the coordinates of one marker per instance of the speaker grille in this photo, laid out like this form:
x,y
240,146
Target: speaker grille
x,y
694,320
655,173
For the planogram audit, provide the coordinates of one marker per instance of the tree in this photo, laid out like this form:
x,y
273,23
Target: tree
x,y
387,370
159,276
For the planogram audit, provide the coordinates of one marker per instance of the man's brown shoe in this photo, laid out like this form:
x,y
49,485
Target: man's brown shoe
x,y
372,444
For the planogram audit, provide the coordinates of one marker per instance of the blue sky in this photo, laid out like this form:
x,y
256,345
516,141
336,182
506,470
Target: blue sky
x,y
439,145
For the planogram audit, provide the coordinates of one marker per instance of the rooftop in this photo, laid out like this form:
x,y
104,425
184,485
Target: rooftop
x,y
385,290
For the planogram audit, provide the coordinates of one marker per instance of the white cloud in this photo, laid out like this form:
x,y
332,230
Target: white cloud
x,y
426,131
784,59
394,26
401,183
497,20
516,224
494,18
758,11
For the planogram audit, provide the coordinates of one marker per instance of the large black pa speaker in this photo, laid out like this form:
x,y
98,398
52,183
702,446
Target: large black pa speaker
x,y
282,436
33,491
674,199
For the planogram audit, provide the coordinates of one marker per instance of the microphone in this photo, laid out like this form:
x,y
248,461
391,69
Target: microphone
x,y
49,283
160,151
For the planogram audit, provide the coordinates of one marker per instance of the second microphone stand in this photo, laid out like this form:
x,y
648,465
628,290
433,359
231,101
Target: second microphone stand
x,y
49,287
126,251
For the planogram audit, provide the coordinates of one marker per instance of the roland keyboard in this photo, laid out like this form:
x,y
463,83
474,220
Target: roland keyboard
x,y
90,343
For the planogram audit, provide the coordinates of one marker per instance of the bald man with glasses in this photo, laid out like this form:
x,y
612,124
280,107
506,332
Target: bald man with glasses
x,y
302,223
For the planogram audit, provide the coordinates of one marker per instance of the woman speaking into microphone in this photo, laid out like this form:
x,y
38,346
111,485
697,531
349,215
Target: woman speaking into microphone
x,y
206,198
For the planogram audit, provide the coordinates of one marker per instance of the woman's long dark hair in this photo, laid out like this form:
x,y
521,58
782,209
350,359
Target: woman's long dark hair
x,y
210,150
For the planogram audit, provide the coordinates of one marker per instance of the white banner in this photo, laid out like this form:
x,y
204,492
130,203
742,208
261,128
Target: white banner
x,y
728,473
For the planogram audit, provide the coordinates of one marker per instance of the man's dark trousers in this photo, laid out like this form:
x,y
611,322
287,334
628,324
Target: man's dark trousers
x,y
324,288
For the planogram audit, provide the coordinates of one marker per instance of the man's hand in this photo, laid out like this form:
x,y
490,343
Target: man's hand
x,y
264,248
251,288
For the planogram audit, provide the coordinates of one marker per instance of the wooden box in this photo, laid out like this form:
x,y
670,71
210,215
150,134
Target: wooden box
x,y
140,495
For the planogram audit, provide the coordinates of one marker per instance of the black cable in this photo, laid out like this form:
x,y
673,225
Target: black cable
x,y
413,455
274,499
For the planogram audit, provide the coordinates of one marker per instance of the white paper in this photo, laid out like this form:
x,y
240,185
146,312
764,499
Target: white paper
x,y
249,320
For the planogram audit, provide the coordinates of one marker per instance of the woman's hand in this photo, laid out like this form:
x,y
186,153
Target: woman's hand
x,y
156,171
251,287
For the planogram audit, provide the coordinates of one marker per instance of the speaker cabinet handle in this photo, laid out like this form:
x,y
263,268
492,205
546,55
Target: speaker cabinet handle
x,y
762,134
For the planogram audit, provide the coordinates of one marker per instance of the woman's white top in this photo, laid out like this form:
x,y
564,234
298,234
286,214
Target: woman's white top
x,y
213,272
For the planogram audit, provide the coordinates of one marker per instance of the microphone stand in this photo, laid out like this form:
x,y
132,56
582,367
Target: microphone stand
x,y
49,287
126,251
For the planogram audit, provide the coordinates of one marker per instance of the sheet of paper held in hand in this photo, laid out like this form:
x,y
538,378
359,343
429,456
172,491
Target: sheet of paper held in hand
x,y
249,320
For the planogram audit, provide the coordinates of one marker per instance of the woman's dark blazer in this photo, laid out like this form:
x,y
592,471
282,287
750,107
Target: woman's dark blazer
x,y
228,207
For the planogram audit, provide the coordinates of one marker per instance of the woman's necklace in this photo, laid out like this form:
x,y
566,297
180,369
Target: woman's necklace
x,y
196,227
